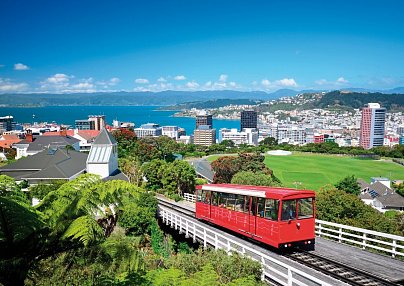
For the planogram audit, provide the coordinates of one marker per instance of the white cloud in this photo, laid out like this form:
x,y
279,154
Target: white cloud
x,y
21,67
223,77
232,84
286,82
192,84
142,81
208,84
58,78
161,79
114,81
6,85
342,80
265,83
180,77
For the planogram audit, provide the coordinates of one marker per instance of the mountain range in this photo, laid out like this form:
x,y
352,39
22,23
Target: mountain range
x,y
151,98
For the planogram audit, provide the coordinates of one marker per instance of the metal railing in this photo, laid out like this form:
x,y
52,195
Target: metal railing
x,y
273,269
367,239
189,197
360,237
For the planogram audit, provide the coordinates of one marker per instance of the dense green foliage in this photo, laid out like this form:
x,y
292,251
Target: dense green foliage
x,y
349,185
41,190
255,179
338,206
226,167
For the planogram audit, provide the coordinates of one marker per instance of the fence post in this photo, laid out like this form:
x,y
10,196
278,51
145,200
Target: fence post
x,y
186,229
290,277
393,254
319,229
204,238
216,242
194,240
263,266
364,241
340,234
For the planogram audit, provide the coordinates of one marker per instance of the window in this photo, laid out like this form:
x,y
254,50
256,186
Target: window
x,y
253,210
199,195
288,209
214,198
271,209
240,204
261,206
305,207
203,196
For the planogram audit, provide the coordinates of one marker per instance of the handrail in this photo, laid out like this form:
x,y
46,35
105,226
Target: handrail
x,y
273,269
389,243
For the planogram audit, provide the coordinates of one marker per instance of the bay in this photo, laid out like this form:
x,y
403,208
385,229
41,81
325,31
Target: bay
x,y
137,114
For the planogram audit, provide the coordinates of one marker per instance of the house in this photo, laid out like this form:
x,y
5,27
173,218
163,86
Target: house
x,y
47,165
378,195
32,145
60,163
86,137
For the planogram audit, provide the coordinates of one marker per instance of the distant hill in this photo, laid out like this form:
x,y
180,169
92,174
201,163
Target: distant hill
x,y
216,103
359,99
127,98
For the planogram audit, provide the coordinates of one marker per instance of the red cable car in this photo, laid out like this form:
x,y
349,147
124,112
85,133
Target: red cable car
x,y
280,217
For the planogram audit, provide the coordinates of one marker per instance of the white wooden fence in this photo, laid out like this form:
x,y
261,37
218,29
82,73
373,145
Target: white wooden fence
x,y
367,239
273,269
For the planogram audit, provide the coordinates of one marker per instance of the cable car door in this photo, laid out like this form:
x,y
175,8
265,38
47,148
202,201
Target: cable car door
x,y
252,215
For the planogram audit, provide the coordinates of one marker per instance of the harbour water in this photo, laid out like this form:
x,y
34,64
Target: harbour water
x,y
137,114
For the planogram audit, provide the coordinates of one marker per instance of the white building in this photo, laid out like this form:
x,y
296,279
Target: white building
x,y
247,136
149,129
186,139
170,131
103,157
291,134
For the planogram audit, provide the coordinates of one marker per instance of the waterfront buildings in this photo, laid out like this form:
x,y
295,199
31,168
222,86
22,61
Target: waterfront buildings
x,y
248,119
248,136
94,122
372,126
171,131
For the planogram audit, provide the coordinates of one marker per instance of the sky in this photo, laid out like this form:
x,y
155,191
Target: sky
x,y
96,45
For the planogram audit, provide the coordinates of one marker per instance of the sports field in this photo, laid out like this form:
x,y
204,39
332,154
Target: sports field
x,y
311,171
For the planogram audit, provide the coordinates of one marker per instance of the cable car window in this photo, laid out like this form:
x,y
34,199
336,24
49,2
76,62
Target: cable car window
x,y
253,210
305,207
221,201
261,207
200,193
271,209
288,209
206,198
239,203
246,204
214,199
230,201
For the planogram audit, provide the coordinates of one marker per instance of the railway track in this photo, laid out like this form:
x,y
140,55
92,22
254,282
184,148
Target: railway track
x,y
331,268
337,270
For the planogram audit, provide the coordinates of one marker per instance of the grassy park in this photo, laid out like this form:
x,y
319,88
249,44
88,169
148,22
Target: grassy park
x,y
311,171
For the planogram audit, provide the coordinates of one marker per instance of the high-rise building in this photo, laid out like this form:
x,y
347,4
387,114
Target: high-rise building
x,y
7,123
99,121
204,136
248,119
94,122
204,119
372,126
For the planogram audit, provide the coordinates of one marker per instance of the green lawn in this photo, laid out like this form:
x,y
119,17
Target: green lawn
x,y
311,171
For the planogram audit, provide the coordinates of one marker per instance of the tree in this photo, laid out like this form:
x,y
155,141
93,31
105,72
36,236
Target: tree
x,y
255,179
269,141
127,140
350,185
132,168
64,220
400,189
179,177
153,172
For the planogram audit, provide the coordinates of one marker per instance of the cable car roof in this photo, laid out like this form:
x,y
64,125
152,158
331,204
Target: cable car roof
x,y
259,191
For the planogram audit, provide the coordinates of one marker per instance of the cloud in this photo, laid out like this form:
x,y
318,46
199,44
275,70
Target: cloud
x,y
223,77
142,80
192,84
161,79
180,77
21,67
286,82
342,80
6,85
208,84
58,78
114,81
265,83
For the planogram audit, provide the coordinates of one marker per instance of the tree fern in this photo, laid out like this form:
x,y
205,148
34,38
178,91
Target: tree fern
x,y
85,229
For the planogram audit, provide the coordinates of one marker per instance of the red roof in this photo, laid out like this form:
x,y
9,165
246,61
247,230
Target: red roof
x,y
69,132
88,134
260,191
7,143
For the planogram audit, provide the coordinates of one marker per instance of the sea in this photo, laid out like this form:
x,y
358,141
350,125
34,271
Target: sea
x,y
137,114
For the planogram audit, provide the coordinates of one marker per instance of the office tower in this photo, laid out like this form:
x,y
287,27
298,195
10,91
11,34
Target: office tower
x,y
372,126
204,136
204,119
248,119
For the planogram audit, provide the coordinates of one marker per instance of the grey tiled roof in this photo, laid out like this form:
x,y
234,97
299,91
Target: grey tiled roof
x,y
363,184
391,200
118,175
42,142
104,138
47,164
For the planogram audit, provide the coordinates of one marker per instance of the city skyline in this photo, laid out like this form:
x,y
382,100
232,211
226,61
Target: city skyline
x,y
203,45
